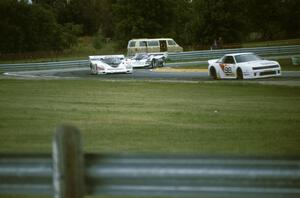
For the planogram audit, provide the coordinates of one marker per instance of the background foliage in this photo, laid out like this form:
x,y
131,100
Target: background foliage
x,y
54,25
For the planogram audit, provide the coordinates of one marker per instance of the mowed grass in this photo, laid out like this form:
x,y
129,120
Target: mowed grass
x,y
141,117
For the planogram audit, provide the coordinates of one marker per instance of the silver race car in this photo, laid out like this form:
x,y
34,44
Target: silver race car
x,y
150,60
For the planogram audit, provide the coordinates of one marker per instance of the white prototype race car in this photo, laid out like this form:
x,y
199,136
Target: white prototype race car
x,y
242,66
148,60
109,64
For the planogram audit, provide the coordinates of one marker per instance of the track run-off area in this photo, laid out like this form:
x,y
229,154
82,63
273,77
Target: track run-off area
x,y
175,70
290,78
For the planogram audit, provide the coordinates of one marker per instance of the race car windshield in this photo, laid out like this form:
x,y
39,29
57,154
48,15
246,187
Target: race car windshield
x,y
246,58
140,56
112,61
95,59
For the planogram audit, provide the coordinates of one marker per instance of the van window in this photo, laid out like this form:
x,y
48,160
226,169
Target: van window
x,y
143,43
132,44
153,43
171,42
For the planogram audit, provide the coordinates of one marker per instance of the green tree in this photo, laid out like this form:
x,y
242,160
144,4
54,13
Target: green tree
x,y
266,18
181,24
219,18
98,40
141,18
291,21
28,28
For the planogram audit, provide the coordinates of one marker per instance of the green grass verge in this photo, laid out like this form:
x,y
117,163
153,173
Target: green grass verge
x,y
121,116
200,66
287,65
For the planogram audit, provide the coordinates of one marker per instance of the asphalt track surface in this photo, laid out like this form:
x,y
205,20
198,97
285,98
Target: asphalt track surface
x,y
291,78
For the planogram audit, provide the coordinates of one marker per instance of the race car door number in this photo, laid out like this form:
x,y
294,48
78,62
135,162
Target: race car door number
x,y
227,70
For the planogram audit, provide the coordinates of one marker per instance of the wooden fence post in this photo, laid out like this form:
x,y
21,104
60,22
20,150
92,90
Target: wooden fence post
x,y
68,164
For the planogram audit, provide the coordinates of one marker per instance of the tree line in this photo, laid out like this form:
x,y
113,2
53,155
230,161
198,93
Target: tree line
x,y
54,25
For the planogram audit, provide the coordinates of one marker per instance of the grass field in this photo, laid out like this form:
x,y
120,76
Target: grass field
x,y
129,116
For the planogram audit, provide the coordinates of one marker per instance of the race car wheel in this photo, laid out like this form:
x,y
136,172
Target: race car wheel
x,y
213,73
163,63
153,63
239,74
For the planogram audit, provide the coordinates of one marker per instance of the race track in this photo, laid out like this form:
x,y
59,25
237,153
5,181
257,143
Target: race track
x,y
288,77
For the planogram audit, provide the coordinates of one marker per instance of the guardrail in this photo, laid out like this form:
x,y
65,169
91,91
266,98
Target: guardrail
x,y
69,173
178,56
43,65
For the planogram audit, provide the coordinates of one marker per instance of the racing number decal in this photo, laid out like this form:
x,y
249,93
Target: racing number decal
x,y
226,69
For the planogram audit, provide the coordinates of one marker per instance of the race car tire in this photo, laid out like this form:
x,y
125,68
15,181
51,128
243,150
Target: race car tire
x,y
163,62
239,74
213,73
153,63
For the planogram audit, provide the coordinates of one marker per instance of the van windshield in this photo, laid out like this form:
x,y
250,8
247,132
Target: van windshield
x,y
171,42
132,44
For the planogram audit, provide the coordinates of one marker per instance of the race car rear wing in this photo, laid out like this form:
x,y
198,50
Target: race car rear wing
x,y
163,54
99,58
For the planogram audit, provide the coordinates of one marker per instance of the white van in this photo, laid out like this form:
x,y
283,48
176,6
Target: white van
x,y
152,45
